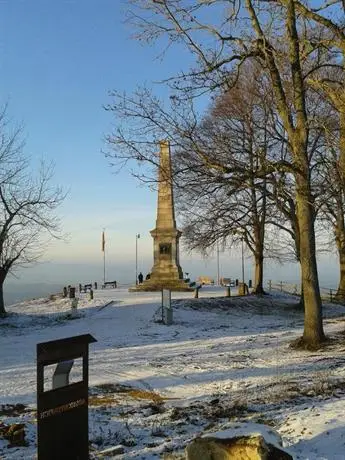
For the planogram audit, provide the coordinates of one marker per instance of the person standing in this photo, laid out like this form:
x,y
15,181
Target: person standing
x,y
140,278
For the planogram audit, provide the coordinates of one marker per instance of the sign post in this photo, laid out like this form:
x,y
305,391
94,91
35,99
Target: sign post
x,y
62,411
167,313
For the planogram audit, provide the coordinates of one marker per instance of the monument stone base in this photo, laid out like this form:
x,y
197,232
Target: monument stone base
x,y
159,284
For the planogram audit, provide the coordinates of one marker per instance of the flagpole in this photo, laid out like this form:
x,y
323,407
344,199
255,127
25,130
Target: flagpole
x,y
104,266
218,279
103,249
137,236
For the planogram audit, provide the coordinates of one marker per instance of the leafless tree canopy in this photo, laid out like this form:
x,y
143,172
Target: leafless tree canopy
x,y
27,204
299,50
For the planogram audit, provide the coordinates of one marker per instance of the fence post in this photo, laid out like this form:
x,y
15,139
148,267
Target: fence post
x,y
281,286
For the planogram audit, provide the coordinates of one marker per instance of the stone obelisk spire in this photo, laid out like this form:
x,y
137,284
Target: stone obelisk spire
x,y
165,206
166,271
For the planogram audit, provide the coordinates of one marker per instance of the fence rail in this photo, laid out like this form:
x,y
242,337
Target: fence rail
x,y
327,294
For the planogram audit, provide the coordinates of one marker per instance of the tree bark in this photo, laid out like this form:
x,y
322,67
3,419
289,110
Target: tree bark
x,y
259,274
340,226
301,300
340,295
339,102
313,334
340,242
295,226
2,303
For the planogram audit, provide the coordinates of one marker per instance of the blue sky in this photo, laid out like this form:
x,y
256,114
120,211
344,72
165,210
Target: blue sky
x,y
58,60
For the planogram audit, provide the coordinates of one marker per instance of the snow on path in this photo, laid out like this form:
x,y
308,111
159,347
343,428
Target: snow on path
x,y
191,358
241,352
126,321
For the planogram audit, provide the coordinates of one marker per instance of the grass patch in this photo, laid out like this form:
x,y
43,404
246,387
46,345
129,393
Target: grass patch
x,y
145,394
102,400
106,391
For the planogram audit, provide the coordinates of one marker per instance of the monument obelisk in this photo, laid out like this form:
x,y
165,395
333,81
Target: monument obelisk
x,y
166,271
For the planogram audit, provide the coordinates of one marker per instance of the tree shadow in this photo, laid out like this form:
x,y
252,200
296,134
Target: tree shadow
x,y
327,445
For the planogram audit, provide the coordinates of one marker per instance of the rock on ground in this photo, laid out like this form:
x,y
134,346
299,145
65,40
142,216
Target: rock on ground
x,y
247,441
240,448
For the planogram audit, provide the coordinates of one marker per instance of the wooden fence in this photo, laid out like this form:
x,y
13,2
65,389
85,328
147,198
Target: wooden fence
x,y
327,294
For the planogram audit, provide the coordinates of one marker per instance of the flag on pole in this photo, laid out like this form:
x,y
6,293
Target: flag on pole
x,y
103,242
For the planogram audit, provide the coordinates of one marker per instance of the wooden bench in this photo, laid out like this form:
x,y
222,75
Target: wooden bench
x,y
111,284
86,287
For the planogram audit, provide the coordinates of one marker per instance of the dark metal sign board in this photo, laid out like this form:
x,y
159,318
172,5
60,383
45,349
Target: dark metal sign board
x,y
62,412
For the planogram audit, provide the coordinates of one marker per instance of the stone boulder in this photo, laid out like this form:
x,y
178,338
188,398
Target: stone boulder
x,y
238,443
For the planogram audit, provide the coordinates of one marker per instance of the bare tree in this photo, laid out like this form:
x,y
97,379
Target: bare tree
x,y
331,87
250,30
222,187
27,204
217,159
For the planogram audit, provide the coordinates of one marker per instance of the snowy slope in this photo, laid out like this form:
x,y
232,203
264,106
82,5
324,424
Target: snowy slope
x,y
154,387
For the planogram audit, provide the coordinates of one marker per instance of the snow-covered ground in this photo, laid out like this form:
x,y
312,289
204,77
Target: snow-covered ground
x,y
154,387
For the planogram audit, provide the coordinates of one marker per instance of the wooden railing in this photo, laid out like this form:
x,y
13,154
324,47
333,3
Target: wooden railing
x,y
327,294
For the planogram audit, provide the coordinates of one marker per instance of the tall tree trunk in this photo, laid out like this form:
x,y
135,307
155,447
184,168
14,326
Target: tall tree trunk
x,y
259,216
341,111
2,303
297,129
340,242
313,334
339,226
340,295
298,257
301,300
259,274
295,227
